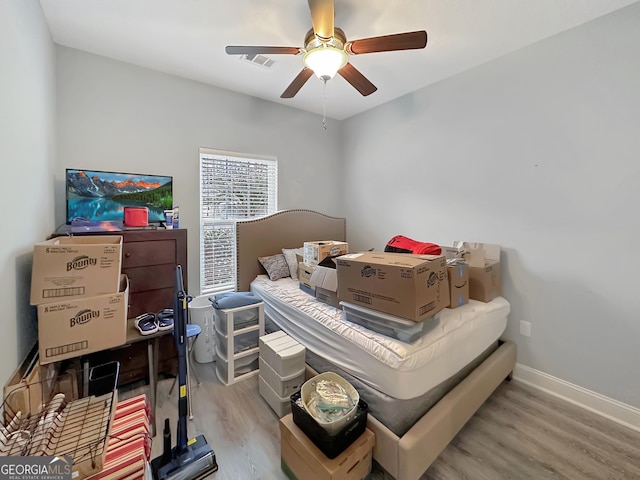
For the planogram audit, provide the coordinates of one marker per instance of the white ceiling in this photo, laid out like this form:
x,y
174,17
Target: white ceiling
x,y
187,38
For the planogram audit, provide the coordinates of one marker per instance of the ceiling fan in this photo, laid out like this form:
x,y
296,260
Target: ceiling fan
x,y
326,49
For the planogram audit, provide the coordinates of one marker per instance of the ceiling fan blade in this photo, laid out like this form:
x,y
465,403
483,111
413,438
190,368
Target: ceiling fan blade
x,y
322,15
357,80
388,43
246,50
297,83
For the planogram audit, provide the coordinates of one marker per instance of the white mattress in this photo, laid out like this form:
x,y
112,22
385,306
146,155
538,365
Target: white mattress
x,y
398,369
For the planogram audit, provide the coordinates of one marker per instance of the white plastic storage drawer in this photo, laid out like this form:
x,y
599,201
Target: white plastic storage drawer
x,y
237,318
283,354
242,367
283,386
280,405
241,342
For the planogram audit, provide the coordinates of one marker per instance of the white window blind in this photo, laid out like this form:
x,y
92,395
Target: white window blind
x,y
233,186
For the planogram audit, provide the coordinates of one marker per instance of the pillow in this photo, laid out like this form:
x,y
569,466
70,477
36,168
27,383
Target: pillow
x,y
276,266
290,255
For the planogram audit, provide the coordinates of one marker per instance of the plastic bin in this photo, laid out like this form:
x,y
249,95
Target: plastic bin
x,y
330,444
282,386
284,354
241,317
238,343
201,313
404,330
103,378
241,367
280,405
310,386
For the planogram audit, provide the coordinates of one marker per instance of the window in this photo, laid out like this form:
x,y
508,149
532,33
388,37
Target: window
x,y
233,186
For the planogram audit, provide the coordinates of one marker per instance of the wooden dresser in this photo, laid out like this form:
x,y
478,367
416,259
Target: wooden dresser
x,y
149,259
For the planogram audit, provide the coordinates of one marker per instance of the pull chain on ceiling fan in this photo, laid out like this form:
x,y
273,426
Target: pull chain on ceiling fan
x,y
326,50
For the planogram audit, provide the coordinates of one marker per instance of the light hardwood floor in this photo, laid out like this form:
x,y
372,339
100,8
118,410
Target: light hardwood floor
x,y
519,433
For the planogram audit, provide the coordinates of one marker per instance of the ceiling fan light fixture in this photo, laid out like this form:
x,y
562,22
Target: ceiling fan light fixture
x,y
325,61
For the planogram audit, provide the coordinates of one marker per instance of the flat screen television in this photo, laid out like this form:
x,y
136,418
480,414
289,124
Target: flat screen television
x,y
95,195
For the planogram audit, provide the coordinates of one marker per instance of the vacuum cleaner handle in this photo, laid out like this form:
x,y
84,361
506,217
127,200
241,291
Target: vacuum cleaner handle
x,y
166,434
180,313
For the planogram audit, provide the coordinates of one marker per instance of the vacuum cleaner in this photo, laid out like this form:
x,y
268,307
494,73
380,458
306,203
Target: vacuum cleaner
x,y
189,459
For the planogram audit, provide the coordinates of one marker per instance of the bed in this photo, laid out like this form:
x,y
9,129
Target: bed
x,y
435,410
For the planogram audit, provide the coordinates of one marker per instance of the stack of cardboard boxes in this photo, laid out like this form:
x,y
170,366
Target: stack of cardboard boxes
x,y
483,270
413,287
317,271
81,296
301,459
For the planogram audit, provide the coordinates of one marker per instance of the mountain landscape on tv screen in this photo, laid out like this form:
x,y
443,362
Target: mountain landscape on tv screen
x,y
103,195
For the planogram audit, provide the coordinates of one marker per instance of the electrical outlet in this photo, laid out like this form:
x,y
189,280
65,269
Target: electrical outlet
x,y
525,328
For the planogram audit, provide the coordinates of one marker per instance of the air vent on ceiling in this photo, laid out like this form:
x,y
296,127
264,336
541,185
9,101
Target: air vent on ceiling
x,y
257,59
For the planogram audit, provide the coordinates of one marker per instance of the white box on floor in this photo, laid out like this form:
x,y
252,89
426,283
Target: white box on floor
x,y
270,343
283,386
283,354
272,337
280,405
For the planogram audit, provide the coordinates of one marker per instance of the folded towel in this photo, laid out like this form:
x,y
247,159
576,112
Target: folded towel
x,y
234,300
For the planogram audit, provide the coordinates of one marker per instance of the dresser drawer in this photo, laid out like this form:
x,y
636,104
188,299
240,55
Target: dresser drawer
x,y
153,277
138,254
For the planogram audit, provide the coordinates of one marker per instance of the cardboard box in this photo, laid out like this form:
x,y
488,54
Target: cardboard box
x,y
485,283
304,275
327,296
72,328
452,253
485,276
414,287
315,252
75,267
476,254
458,284
307,462
325,281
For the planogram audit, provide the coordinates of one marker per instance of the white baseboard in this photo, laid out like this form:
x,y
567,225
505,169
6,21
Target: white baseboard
x,y
607,407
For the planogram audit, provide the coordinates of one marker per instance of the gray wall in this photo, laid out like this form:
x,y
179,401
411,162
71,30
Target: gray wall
x,y
537,151
116,116
27,156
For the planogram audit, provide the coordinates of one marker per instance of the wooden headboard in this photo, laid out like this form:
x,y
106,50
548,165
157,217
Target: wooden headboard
x,y
286,229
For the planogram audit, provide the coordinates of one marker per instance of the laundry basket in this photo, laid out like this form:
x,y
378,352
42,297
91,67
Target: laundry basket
x,y
309,386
